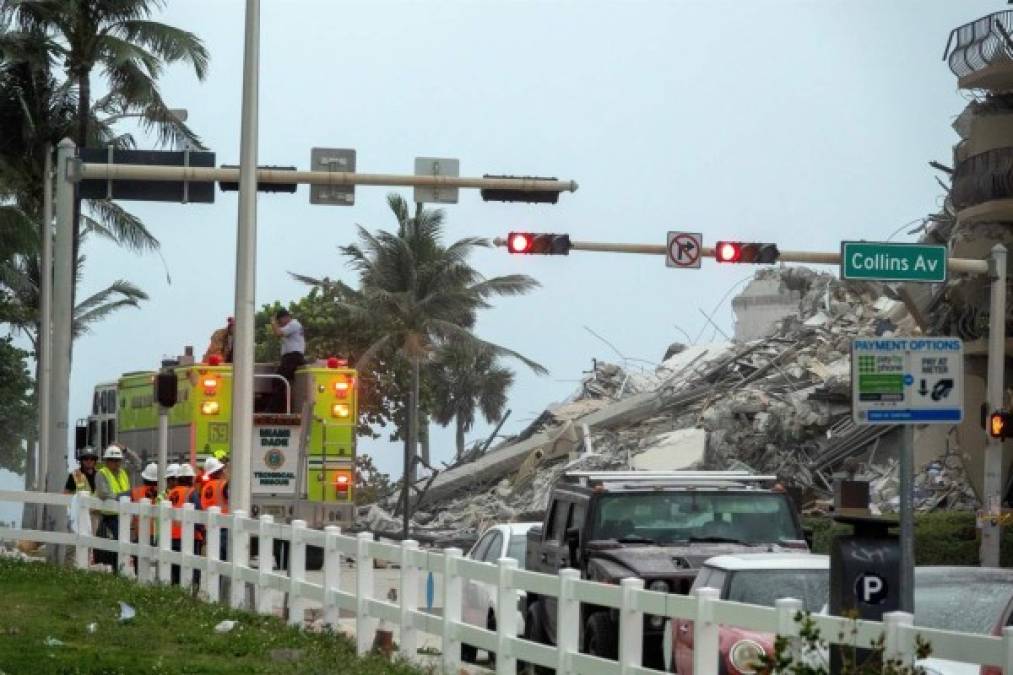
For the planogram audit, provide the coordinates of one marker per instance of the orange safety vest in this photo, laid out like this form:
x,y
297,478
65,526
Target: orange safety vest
x,y
178,496
144,492
212,493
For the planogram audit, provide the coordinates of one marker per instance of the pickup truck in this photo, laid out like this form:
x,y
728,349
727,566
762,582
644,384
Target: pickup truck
x,y
658,526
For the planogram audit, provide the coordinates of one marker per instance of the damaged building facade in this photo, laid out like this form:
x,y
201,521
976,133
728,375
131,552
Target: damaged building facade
x,y
776,398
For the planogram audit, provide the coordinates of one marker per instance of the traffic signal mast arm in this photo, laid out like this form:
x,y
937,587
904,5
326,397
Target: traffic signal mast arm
x,y
967,265
90,171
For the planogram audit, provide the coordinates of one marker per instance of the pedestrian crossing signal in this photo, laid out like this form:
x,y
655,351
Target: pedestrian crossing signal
x,y
998,424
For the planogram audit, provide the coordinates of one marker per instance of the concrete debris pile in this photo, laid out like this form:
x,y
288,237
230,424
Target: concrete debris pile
x,y
778,404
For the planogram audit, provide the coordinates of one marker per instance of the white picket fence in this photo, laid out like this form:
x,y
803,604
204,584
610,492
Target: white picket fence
x,y
629,597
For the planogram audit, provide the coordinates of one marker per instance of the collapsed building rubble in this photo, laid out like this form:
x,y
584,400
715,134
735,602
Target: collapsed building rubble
x,y
779,404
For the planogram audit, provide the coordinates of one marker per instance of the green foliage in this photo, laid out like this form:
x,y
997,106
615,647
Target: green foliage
x,y
171,633
466,379
371,484
415,295
17,406
809,655
941,538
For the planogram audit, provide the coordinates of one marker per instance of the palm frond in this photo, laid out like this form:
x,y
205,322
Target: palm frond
x,y
450,331
122,226
169,43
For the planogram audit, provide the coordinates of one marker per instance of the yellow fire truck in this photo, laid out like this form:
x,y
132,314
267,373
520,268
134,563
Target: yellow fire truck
x,y
302,460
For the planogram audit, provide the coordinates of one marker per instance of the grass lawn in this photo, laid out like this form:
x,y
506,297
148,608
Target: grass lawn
x,y
171,632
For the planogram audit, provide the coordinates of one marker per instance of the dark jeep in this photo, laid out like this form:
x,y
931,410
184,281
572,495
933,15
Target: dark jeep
x,y
658,526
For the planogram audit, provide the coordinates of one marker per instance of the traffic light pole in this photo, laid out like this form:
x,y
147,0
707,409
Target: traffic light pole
x,y
194,174
966,265
991,529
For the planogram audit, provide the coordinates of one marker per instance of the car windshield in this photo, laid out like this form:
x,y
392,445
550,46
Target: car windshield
x,y
763,587
752,518
517,548
960,601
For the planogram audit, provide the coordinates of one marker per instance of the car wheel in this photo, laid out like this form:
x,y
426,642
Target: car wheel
x,y
600,636
490,624
535,632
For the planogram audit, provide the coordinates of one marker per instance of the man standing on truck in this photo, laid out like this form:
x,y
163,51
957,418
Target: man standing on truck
x,y
293,346
221,342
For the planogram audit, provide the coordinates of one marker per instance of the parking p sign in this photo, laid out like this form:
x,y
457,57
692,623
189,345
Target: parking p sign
x,y
907,380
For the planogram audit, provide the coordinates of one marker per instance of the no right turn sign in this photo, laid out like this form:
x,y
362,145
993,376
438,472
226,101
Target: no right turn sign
x,y
684,250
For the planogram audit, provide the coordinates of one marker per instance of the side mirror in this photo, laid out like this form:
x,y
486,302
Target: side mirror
x,y
809,535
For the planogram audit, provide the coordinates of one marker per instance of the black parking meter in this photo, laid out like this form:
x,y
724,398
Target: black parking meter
x,y
864,565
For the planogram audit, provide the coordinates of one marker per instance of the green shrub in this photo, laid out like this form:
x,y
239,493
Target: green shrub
x,y
941,538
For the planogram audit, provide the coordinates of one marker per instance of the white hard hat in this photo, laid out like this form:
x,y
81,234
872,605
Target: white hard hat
x,y
112,452
212,466
150,473
172,471
186,471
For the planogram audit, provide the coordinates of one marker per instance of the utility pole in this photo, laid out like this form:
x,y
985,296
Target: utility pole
x,y
62,326
246,272
991,529
44,386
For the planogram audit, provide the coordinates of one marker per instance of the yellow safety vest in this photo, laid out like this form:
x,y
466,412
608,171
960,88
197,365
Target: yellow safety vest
x,y
81,483
119,483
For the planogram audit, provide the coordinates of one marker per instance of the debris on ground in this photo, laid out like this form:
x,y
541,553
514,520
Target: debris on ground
x,y
226,626
126,612
778,404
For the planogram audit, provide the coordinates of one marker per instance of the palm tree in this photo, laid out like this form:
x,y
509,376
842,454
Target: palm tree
x,y
465,380
420,295
131,49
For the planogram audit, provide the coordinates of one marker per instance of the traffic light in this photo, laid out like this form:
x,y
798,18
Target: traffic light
x,y
166,388
226,186
746,252
999,424
538,243
507,195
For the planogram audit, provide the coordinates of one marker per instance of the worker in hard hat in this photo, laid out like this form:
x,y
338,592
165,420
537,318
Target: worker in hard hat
x,y
112,483
178,496
148,489
214,491
82,479
171,476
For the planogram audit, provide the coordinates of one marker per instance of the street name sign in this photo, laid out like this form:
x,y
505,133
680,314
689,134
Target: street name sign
x,y
885,261
684,250
907,380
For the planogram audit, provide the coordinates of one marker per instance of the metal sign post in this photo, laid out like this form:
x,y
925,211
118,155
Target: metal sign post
x,y
991,529
907,381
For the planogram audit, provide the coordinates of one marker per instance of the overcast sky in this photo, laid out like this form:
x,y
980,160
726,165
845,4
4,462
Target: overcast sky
x,y
802,123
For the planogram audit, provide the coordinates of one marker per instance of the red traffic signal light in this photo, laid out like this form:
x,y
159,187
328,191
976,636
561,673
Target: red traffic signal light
x,y
538,242
519,242
746,252
998,424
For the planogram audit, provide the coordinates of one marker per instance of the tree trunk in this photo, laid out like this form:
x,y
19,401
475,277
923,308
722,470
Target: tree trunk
x,y
424,440
83,108
460,437
30,513
410,448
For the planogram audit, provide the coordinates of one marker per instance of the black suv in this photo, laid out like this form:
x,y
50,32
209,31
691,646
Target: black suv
x,y
658,526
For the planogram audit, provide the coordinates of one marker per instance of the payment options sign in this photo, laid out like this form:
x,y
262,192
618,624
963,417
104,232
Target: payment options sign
x,y
907,380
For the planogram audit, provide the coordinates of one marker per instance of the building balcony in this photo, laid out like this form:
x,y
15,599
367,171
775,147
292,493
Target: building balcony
x,y
980,53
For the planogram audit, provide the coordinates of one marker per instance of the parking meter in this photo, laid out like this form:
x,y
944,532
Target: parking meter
x,y
864,566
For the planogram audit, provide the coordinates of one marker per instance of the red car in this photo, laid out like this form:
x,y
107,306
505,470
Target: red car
x,y
756,579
